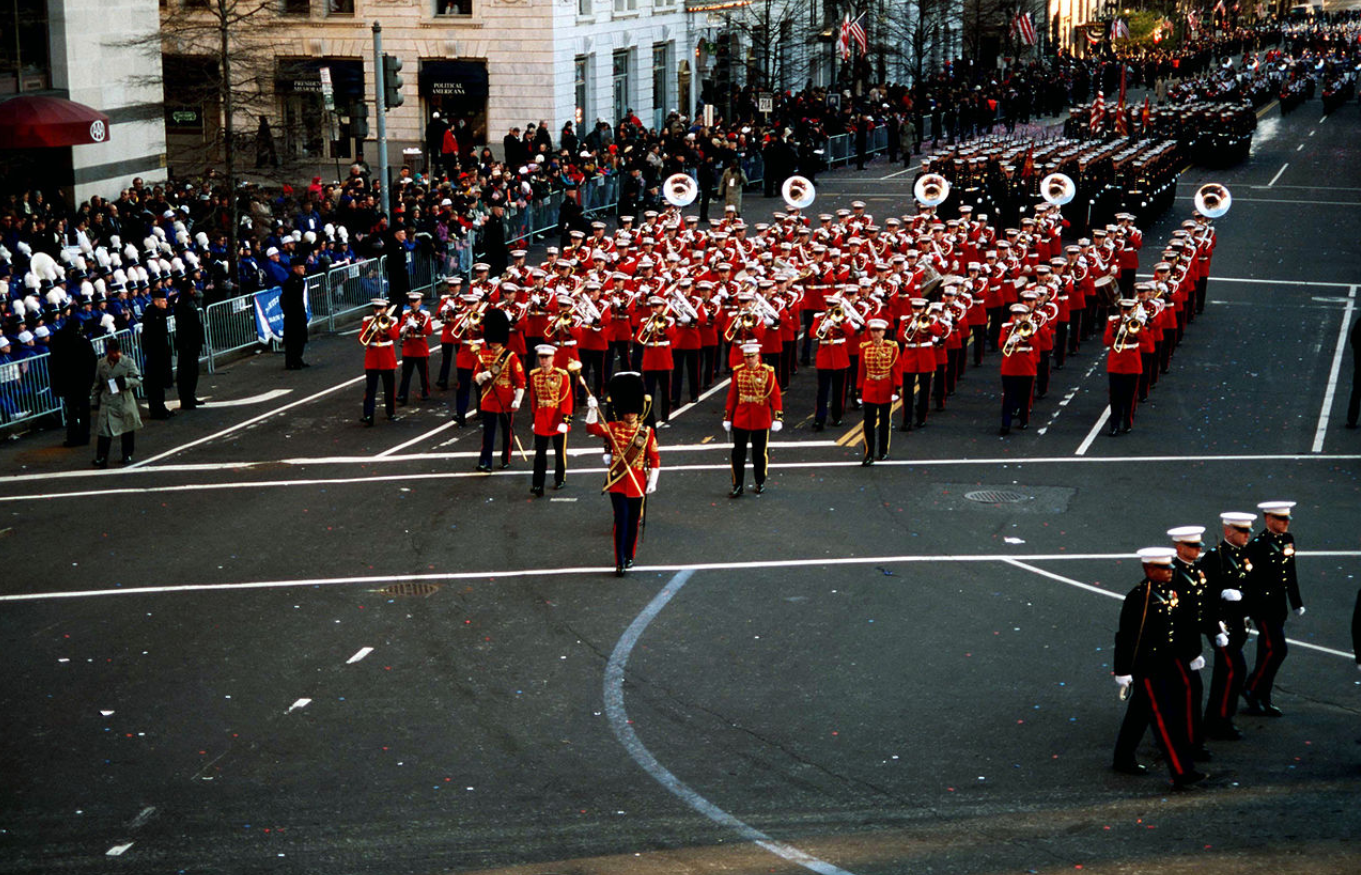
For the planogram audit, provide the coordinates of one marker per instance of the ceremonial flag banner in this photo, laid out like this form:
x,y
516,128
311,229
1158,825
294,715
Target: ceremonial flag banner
x,y
1219,7
1098,111
1023,29
858,34
843,38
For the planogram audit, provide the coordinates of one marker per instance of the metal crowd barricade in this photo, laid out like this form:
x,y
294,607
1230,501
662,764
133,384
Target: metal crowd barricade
x,y
837,150
754,166
26,390
351,286
600,194
229,326
318,300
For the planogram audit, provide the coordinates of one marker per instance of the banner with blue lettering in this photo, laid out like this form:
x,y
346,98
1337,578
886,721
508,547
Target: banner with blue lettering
x,y
269,315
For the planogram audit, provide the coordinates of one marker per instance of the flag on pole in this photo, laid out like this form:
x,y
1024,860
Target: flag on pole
x,y
1023,29
1193,21
843,38
858,34
1121,121
1028,166
1098,112
1219,8
1120,28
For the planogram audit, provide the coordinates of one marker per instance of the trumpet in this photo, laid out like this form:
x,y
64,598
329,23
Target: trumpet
x,y
377,328
469,320
1128,334
1021,333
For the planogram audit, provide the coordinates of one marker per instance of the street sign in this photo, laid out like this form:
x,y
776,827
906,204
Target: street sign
x,y
328,96
765,103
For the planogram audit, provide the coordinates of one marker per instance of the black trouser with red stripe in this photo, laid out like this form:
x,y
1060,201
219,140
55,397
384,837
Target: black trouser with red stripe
x,y
1271,652
421,365
1157,701
627,514
1194,689
1231,668
1122,399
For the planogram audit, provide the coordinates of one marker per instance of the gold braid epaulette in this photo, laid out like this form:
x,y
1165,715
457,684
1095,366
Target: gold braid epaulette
x,y
619,467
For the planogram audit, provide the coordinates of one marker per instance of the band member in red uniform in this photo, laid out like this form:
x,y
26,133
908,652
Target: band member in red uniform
x,y
655,336
831,330
1018,367
377,335
550,401
634,463
1123,364
446,311
753,411
501,379
878,381
415,326
467,333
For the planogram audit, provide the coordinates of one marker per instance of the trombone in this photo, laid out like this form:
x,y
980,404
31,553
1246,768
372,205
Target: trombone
x,y
1128,334
1021,333
376,329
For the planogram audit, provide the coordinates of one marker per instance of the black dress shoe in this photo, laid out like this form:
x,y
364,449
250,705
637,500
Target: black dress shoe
x,y
485,469
561,484
736,492
100,463
1202,754
817,426
883,457
367,420
1189,779
1023,426
505,465
904,427
618,571
536,491
442,385
1115,430
1003,431
1130,768
126,460
760,488
836,423
1271,710
628,563
392,417
866,462
163,414
1223,732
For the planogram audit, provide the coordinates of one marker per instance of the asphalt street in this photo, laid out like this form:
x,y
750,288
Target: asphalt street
x,y
286,643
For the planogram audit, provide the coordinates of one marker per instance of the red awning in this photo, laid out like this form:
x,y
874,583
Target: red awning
x,y
39,121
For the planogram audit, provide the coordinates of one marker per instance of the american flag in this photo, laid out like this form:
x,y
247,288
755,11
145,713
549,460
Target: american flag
x,y
1023,29
843,38
1193,21
857,31
1121,122
1098,112
1219,8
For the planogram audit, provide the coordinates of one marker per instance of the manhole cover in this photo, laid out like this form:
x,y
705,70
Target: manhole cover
x,y
996,496
411,589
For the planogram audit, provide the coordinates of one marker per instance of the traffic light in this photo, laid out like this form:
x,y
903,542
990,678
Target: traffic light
x,y
359,121
392,83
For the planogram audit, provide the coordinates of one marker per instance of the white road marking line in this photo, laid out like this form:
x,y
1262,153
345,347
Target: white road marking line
x,y
1278,174
118,850
1096,430
254,399
900,172
363,652
418,439
1314,131
142,817
521,472
567,571
240,425
1115,595
1322,430
717,387
1299,148
301,703
628,737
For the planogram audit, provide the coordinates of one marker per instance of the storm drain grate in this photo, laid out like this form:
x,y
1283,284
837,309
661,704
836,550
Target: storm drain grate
x,y
996,496
411,589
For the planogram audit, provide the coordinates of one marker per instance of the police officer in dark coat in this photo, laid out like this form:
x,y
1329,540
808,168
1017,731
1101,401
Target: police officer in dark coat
x,y
293,303
72,371
156,349
188,343
399,278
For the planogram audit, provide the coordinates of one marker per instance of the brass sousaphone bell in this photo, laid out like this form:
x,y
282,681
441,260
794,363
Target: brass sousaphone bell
x,y
798,192
680,190
931,189
1213,200
1058,189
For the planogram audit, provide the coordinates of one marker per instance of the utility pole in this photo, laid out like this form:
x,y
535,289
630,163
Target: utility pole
x,y
381,105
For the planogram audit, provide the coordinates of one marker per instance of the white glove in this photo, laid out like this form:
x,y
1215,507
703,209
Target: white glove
x,y
607,458
592,403
562,428
1198,663
1299,611
652,480
1231,595
519,396
727,425
684,320
482,377
1221,640
894,399
1124,680
776,425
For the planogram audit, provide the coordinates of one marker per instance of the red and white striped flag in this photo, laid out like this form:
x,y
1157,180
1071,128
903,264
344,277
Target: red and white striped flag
x,y
1098,112
1023,29
1193,21
843,38
1219,8
858,34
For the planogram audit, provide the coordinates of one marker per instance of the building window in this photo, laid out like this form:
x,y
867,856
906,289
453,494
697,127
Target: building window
x,y
621,6
621,83
453,7
24,61
585,7
661,100
582,70
297,7
340,7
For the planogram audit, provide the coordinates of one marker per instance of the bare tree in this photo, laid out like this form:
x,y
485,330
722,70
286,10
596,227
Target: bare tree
x,y
780,34
218,56
912,35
